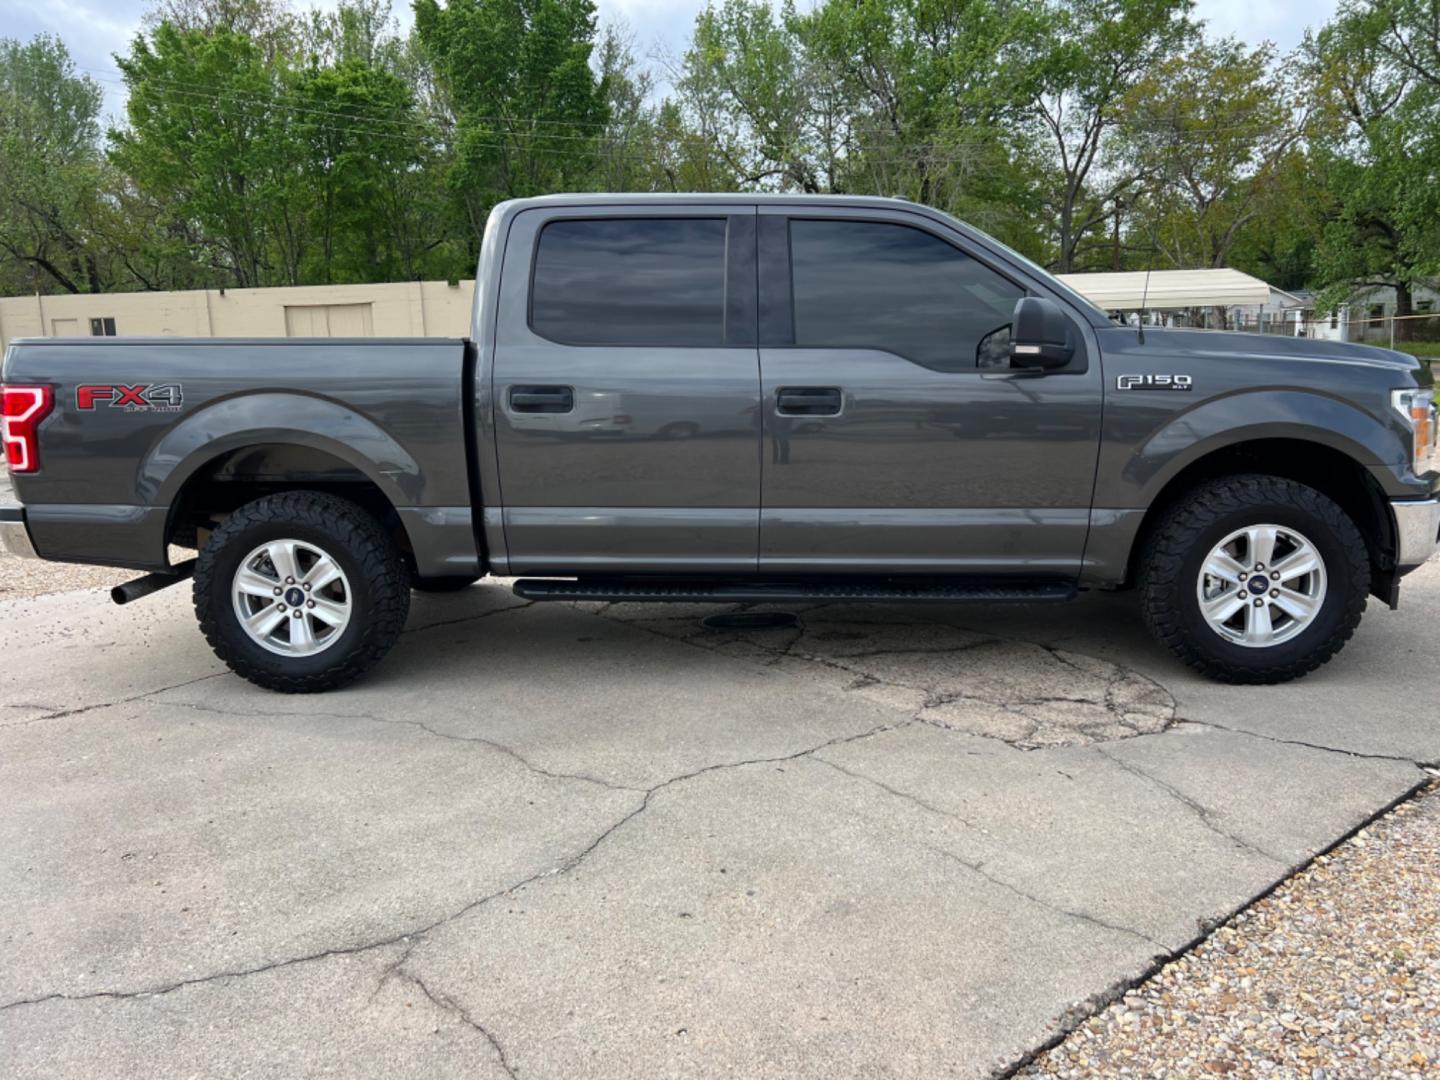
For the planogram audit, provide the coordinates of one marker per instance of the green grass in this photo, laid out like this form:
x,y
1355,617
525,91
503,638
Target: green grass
x,y
1426,350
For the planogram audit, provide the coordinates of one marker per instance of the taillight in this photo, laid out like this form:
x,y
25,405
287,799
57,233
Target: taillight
x,y
22,409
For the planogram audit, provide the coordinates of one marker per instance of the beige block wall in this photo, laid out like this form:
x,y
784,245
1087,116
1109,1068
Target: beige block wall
x,y
399,309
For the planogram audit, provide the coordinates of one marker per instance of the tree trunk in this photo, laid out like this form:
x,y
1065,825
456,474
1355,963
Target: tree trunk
x,y
1404,305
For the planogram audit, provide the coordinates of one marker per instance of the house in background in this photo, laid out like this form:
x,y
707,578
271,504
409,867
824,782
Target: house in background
x,y
1369,315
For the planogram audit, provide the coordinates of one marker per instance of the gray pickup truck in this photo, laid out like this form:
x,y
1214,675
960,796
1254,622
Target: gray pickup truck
x,y
736,399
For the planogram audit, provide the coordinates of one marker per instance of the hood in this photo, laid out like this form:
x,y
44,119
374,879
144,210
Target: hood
x,y
1202,343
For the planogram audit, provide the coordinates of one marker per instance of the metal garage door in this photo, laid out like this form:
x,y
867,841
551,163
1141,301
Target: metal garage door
x,y
328,320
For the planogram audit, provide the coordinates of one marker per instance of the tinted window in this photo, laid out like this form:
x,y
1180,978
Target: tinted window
x,y
631,281
868,285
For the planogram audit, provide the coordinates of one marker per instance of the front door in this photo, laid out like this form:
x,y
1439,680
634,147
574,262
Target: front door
x,y
897,438
627,391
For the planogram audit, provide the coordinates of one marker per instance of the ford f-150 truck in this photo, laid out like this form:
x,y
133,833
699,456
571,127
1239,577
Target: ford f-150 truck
x,y
741,398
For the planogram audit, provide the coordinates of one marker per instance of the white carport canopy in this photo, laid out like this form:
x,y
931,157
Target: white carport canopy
x,y
1169,289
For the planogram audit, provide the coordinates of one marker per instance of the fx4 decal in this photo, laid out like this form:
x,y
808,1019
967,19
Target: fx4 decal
x,y
142,397
1155,382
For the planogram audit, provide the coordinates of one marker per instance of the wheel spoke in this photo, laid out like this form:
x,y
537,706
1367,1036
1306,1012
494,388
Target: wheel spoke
x,y
1302,560
262,622
322,573
253,583
329,612
282,557
1224,566
1297,605
1261,541
302,638
1258,627
1222,608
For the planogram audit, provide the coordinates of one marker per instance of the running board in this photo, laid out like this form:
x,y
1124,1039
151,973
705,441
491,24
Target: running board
x,y
791,592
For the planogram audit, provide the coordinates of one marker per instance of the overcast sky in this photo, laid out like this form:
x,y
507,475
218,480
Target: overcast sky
x,y
94,29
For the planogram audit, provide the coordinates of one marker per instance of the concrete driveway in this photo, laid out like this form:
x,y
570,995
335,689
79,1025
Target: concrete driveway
x,y
558,841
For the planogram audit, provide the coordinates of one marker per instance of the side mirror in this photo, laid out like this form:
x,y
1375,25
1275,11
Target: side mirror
x,y
1039,335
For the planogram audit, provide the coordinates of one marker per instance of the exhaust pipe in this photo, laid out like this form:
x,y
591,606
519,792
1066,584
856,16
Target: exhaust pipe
x,y
152,583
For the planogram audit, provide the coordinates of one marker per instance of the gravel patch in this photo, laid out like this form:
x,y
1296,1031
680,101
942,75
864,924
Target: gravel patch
x,y
35,577
1335,974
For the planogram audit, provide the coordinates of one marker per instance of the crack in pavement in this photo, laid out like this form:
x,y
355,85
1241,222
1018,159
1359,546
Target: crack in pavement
x,y
1027,711
978,867
79,709
469,618
479,740
1310,745
455,1009
1199,809
1083,916
915,799
565,867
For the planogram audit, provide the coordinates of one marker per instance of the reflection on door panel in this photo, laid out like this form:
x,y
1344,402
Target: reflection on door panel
x,y
937,460
654,460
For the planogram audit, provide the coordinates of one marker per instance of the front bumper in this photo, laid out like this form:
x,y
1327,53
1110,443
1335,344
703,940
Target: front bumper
x,y
14,536
1417,530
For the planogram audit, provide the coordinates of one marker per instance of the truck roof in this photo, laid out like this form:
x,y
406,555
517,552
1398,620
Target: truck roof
x,y
651,198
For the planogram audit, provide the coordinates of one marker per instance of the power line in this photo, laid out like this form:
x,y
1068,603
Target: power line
x,y
508,125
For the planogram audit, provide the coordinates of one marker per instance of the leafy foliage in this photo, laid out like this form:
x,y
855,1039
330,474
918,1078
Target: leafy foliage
x,y
261,146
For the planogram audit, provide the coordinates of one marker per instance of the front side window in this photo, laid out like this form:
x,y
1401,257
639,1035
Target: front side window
x,y
631,281
873,285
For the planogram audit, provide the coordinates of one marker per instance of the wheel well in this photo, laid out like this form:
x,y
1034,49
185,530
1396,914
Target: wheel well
x,y
1327,470
228,481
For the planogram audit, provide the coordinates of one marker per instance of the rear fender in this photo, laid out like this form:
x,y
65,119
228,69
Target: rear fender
x,y
277,418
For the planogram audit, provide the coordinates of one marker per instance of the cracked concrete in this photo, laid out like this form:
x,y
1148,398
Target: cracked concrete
x,y
600,840
1028,694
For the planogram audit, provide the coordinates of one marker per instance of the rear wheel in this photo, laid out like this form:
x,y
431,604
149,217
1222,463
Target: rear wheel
x,y
301,592
1255,579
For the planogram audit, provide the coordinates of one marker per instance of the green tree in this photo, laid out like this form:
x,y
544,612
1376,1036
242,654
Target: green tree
x,y
1084,61
1377,80
52,177
1209,128
528,108
748,87
210,138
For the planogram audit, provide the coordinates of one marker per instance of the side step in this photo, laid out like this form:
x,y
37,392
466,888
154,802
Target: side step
x,y
731,592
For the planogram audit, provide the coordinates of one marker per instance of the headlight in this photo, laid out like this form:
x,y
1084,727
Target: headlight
x,y
1418,408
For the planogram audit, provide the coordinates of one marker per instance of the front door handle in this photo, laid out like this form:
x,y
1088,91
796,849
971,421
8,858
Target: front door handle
x,y
808,401
542,399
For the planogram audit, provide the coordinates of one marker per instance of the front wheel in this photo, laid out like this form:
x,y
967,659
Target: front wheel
x,y
301,592
1255,579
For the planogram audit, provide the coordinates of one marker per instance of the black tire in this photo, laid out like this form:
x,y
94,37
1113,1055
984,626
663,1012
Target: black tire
x,y
1178,547
379,580
441,584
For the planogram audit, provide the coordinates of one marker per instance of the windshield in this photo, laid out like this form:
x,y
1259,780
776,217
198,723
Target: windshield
x,y
1059,286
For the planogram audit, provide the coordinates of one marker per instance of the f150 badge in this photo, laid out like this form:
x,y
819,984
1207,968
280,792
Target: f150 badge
x,y
142,397
1155,382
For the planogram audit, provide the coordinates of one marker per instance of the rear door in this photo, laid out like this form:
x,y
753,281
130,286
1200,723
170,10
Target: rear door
x,y
627,390
897,439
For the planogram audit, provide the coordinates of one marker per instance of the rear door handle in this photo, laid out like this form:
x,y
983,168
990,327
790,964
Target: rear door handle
x,y
808,401
542,399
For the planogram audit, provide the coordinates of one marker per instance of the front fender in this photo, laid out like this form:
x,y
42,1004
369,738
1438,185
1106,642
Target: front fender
x,y
291,418
1160,454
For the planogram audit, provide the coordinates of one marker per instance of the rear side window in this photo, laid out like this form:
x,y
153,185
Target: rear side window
x,y
872,285
631,281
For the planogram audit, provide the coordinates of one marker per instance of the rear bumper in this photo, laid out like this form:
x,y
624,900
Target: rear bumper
x,y
1417,530
14,536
